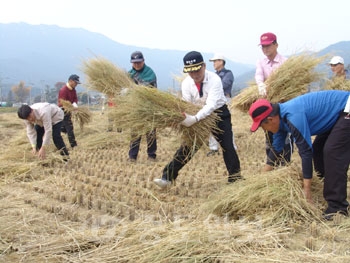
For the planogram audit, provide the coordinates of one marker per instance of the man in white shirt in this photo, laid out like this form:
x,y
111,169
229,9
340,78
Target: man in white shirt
x,y
205,88
43,120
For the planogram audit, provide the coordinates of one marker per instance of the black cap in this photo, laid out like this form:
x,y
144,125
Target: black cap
x,y
193,61
75,78
136,56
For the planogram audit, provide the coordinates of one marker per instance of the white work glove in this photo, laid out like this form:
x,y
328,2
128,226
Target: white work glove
x,y
75,105
124,91
262,89
189,120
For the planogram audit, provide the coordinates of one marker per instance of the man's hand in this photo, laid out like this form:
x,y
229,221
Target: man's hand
x,y
189,120
262,89
307,190
42,153
34,151
267,168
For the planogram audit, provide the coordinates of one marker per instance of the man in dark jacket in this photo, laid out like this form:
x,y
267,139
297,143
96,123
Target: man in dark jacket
x,y
142,75
68,93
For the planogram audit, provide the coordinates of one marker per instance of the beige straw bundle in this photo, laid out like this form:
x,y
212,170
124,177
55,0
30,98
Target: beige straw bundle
x,y
293,77
337,83
276,196
143,109
290,80
105,77
245,98
82,115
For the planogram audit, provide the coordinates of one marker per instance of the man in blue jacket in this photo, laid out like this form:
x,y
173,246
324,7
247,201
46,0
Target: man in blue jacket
x,y
324,114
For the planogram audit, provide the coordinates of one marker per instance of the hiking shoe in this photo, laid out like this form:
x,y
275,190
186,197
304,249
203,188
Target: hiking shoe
x,y
131,160
161,182
234,177
331,216
213,152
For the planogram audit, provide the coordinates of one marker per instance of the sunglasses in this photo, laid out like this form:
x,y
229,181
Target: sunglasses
x,y
334,65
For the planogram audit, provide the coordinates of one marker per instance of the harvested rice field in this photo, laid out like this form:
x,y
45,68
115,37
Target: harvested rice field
x,y
99,207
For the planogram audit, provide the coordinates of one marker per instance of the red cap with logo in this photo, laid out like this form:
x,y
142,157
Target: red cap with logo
x,y
267,38
259,111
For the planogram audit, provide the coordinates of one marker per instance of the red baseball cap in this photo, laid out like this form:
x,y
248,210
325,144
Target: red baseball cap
x,y
259,110
267,38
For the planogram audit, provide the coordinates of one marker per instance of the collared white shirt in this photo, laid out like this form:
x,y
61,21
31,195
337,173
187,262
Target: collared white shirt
x,y
213,94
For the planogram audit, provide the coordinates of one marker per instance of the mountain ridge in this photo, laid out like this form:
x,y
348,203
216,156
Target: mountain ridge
x,y
42,55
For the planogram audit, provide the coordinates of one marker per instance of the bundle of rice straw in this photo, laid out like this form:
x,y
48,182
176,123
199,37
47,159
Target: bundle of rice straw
x,y
82,115
105,77
245,98
337,83
143,109
288,81
275,197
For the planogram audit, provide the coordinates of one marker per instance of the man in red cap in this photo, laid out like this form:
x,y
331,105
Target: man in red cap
x,y
264,68
272,60
324,114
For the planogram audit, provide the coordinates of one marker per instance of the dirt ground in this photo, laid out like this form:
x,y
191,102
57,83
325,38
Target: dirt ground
x,y
99,207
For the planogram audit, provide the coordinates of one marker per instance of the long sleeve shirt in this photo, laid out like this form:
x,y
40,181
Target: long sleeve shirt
x,y
227,79
213,94
311,114
46,115
67,93
265,67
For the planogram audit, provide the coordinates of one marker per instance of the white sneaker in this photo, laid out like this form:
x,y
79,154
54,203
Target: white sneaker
x,y
161,182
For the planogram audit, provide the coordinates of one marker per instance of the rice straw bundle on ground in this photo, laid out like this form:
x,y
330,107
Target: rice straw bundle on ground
x,y
288,81
82,115
105,77
277,197
143,109
337,83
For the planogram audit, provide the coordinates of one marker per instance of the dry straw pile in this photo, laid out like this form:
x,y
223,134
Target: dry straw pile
x,y
103,76
276,196
337,83
142,109
82,115
291,79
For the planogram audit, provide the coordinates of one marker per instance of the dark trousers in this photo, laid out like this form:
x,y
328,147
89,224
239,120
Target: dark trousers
x,y
286,155
151,145
185,153
56,136
331,159
67,127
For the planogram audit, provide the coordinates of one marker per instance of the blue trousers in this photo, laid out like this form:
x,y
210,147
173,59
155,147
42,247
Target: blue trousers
x,y
151,146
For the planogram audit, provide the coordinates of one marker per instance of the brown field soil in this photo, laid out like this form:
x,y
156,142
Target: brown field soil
x,y
98,207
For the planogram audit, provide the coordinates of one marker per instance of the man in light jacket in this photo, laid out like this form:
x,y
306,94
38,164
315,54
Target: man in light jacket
x,y
41,120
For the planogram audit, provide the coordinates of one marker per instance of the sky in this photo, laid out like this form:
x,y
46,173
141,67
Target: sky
x,y
230,27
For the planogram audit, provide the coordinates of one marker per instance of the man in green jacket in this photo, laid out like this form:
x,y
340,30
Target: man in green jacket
x,y
142,75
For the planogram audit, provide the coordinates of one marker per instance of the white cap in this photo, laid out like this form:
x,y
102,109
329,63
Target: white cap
x,y
336,60
217,57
